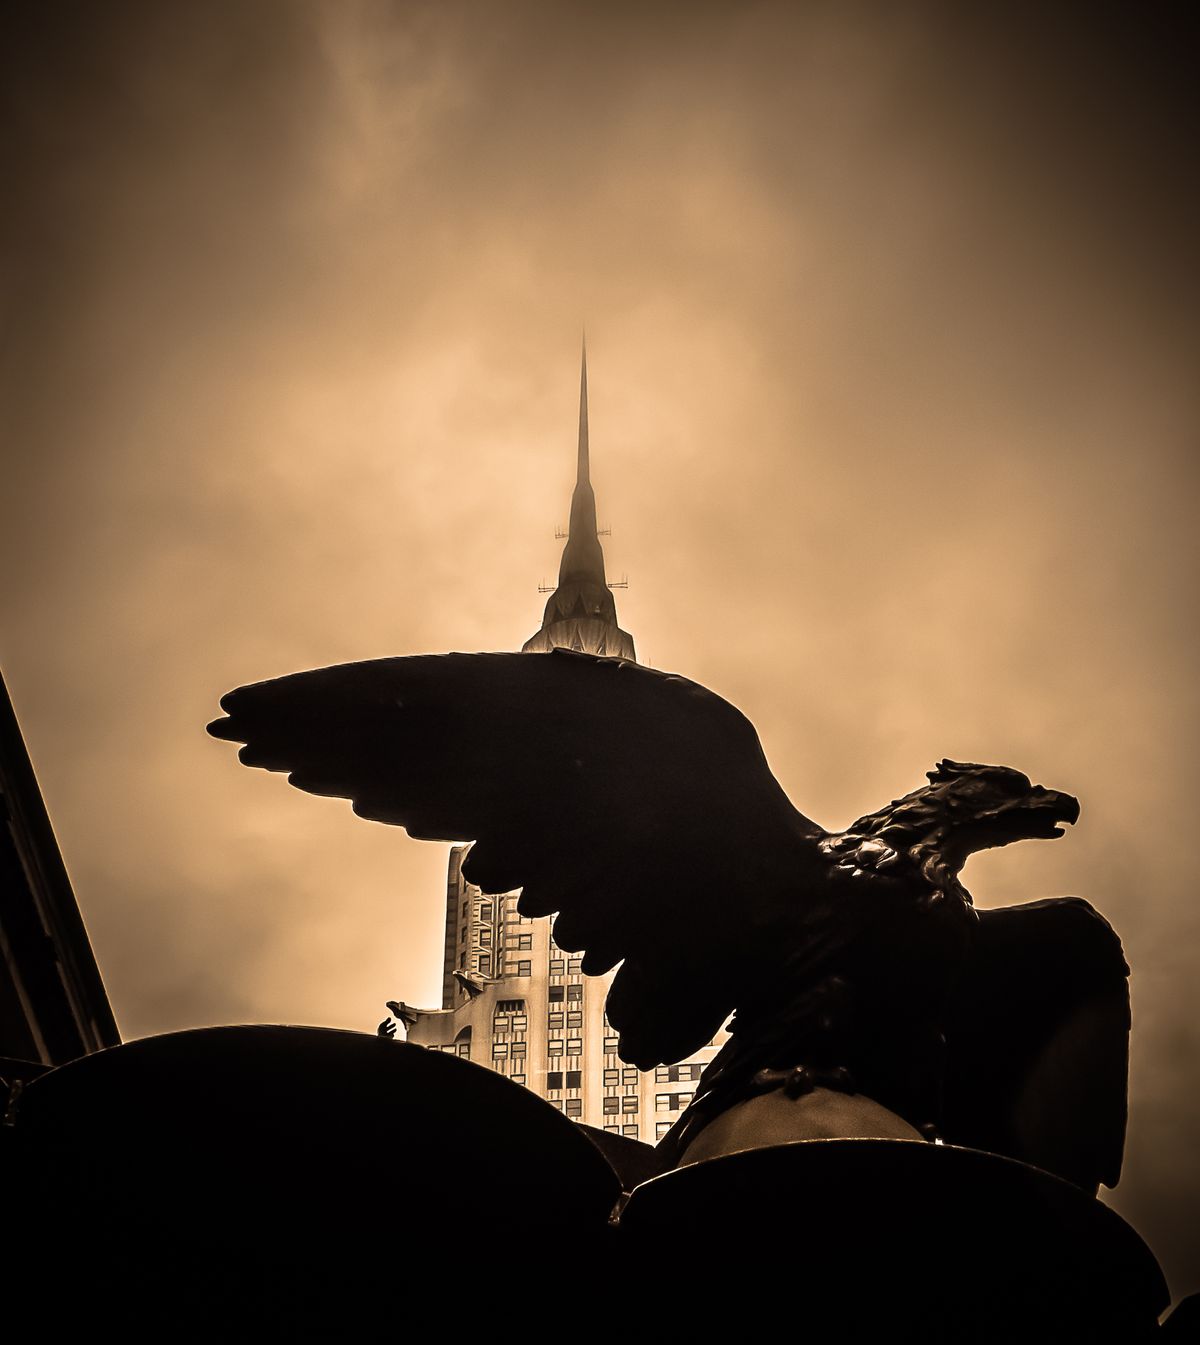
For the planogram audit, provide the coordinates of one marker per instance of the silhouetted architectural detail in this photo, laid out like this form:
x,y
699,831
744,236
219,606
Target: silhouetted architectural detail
x,y
53,1006
639,806
581,613
893,1240
285,1183
530,1012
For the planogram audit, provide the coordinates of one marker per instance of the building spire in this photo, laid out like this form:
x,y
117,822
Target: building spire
x,y
583,558
581,613
582,466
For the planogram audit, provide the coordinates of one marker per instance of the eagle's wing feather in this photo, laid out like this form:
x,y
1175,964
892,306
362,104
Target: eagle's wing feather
x,y
636,804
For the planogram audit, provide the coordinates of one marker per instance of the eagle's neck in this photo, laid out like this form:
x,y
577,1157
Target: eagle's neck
x,y
931,857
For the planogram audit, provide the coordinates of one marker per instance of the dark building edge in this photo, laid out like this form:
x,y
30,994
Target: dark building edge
x,y
53,1004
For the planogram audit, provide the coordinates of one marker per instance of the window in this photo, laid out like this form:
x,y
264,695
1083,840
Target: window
x,y
574,1045
575,963
554,1079
485,963
462,966
677,1073
524,942
556,994
466,908
517,1050
520,1023
616,1130
554,1046
612,1077
518,1078
671,1101
631,1131
661,1128
462,935
574,1078
611,1106
557,966
518,968
629,1074
510,1006
499,1050
574,992
629,1103
574,1106
575,1018
485,910
485,935
610,1045
554,1020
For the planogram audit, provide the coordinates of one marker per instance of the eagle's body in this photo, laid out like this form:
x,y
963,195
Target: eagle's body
x,y
639,807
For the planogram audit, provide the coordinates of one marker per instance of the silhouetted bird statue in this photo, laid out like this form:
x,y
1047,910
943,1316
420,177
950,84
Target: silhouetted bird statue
x,y
473,985
404,1012
871,998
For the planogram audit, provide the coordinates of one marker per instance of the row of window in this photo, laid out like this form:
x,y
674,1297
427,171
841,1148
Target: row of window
x,y
677,1073
506,1050
628,1074
562,966
660,1129
554,1078
672,1101
564,1046
571,993
614,1104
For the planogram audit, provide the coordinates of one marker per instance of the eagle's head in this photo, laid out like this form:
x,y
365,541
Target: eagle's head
x,y
964,808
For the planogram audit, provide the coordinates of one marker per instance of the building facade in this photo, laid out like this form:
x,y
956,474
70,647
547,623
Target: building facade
x,y
511,1000
53,1005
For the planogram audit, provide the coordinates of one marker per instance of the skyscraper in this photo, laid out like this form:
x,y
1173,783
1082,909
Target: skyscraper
x,y
512,1000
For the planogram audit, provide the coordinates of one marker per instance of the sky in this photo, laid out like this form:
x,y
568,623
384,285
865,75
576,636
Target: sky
x,y
892,323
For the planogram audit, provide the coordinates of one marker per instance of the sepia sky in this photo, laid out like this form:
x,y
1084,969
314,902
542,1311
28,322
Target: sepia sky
x,y
892,319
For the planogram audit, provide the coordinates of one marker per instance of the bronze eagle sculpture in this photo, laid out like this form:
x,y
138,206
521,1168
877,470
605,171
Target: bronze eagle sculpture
x,y
638,808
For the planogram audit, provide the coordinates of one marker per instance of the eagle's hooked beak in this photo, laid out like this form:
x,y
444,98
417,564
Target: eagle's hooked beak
x,y
1047,807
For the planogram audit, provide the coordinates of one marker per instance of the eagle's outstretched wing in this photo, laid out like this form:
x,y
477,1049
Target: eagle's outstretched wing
x,y
635,803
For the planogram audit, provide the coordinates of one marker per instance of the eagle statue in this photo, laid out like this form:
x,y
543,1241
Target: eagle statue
x,y
865,994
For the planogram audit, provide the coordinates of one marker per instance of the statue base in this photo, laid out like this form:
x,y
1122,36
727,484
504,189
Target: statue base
x,y
895,1240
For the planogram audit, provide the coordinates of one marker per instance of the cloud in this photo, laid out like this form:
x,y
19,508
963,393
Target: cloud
x,y
892,325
